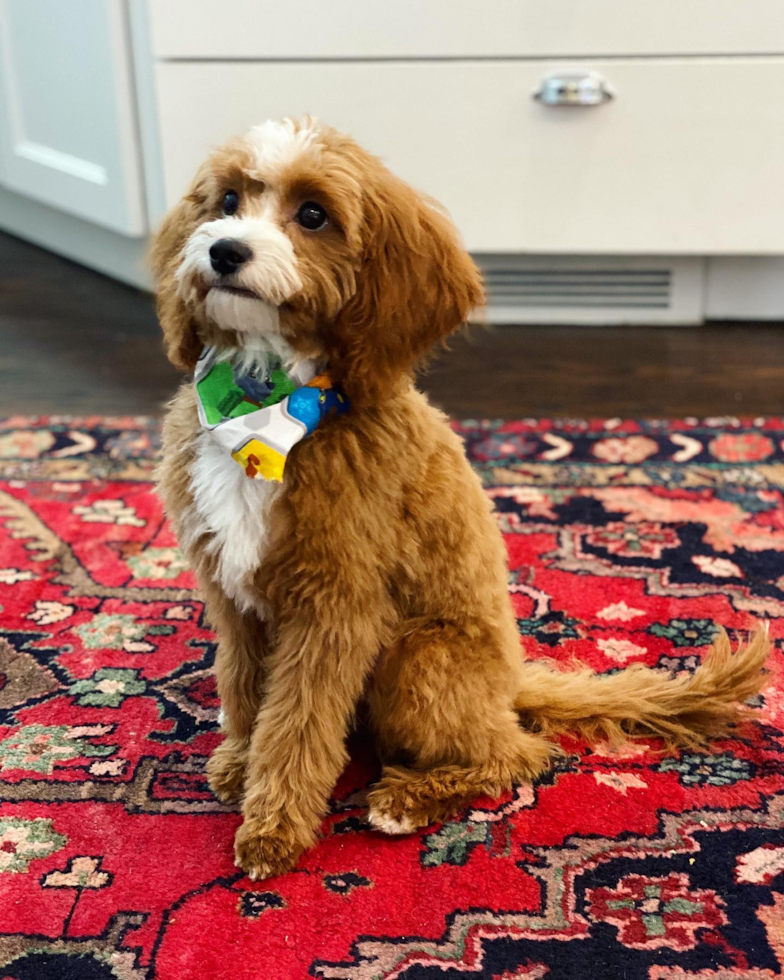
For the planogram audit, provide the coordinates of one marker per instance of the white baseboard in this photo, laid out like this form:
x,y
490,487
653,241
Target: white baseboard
x,y
745,288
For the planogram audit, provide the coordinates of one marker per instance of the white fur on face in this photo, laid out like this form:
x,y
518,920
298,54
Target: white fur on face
x,y
278,143
271,273
241,313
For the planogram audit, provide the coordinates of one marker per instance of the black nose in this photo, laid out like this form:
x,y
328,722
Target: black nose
x,y
227,255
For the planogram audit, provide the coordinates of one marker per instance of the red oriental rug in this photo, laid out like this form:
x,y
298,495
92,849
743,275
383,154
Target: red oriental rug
x,y
627,542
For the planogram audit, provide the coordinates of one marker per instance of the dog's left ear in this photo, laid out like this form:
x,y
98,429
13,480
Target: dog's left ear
x,y
179,330
415,286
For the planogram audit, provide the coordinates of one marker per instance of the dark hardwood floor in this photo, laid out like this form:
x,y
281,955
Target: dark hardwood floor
x,y
74,342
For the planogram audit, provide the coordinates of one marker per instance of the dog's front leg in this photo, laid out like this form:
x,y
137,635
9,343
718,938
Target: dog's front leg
x,y
239,669
316,677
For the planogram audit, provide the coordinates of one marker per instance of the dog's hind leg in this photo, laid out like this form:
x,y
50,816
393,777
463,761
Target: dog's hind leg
x,y
441,699
405,799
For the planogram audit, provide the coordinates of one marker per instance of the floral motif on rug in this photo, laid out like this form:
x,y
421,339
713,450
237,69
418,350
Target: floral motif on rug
x,y
628,542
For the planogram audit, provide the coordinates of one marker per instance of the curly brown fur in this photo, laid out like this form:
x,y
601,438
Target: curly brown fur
x,y
638,701
382,575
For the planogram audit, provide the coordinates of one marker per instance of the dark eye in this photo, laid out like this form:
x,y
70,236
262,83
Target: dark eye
x,y
231,201
312,216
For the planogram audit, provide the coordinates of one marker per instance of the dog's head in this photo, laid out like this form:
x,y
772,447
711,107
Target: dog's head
x,y
294,233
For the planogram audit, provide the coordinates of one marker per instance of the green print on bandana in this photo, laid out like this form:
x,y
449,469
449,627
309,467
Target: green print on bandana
x,y
222,398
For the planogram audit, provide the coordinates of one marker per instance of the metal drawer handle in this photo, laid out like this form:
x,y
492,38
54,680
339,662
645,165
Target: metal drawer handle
x,y
578,89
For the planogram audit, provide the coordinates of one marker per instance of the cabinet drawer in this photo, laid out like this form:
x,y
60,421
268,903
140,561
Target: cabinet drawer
x,y
685,159
463,28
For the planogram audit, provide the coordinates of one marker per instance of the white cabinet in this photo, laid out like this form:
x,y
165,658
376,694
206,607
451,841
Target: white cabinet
x,y
67,114
686,158
675,180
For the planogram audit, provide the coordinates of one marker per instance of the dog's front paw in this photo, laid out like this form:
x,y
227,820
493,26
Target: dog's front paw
x,y
226,771
262,852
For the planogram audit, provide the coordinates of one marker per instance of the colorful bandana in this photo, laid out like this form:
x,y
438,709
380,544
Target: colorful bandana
x,y
258,418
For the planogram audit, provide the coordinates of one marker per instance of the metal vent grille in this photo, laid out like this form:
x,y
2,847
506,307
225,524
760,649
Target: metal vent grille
x,y
632,289
593,289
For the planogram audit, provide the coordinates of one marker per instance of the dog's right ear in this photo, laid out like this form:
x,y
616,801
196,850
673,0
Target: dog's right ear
x,y
179,328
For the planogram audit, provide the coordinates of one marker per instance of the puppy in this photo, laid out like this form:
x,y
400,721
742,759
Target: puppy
x,y
366,564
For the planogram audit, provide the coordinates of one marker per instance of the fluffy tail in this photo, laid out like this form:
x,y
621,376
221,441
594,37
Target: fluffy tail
x,y
683,710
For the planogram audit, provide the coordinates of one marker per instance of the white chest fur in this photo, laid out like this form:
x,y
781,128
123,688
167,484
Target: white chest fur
x,y
233,512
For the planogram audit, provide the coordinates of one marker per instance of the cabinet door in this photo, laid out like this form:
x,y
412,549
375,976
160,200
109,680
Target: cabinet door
x,y
685,159
67,113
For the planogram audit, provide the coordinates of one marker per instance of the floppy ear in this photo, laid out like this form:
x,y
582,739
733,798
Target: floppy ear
x,y
416,285
179,328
